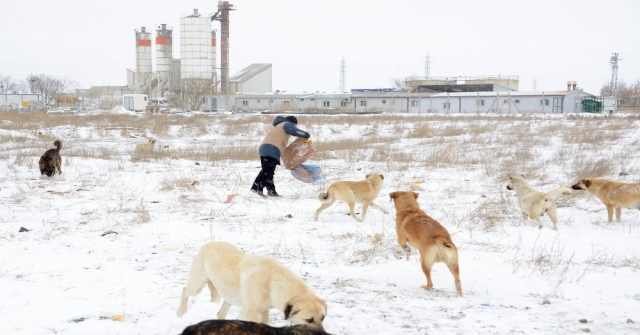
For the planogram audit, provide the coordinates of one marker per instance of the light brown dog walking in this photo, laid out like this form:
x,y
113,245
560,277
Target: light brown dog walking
x,y
422,232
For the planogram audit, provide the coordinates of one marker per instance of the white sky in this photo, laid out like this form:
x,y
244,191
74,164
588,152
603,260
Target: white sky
x,y
552,42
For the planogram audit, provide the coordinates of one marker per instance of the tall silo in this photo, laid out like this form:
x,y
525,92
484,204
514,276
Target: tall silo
x,y
143,57
164,55
214,58
195,46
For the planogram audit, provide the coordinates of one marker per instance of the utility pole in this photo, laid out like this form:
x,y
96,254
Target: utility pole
x,y
613,61
343,76
427,66
613,86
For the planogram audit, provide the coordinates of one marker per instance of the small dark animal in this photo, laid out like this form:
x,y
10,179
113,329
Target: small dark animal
x,y
237,327
51,160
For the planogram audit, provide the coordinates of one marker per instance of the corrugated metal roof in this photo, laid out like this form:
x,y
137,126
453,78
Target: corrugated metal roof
x,y
466,94
249,71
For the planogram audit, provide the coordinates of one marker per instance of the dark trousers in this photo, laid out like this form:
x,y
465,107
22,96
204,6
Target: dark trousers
x,y
265,177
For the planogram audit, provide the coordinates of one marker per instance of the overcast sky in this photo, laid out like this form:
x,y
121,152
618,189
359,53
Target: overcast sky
x,y
548,42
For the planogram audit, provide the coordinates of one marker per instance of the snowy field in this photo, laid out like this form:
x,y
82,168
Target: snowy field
x,y
110,241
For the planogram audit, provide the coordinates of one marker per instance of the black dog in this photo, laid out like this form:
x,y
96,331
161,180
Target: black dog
x,y
51,160
237,327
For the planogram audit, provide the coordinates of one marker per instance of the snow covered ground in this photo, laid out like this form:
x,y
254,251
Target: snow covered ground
x,y
110,241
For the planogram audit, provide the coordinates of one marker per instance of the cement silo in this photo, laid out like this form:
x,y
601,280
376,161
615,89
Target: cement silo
x,y
143,57
195,46
164,56
214,58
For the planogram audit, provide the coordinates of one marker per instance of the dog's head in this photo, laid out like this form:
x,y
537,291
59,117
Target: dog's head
x,y
152,141
582,184
306,310
404,199
515,180
374,175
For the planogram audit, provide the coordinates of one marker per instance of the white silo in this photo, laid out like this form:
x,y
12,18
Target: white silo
x,y
143,57
195,46
214,58
164,55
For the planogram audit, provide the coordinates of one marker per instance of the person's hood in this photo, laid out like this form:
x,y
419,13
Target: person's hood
x,y
280,119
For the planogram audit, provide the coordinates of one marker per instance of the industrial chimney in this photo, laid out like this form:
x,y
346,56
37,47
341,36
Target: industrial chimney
x,y
223,16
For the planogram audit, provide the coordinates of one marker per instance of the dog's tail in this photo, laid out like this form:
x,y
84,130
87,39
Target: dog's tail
x,y
445,242
58,145
325,197
558,191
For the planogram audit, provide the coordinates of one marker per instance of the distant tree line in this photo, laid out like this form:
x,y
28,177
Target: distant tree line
x,y
623,90
49,86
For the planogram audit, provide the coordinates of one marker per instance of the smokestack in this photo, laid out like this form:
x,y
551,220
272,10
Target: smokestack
x,y
223,9
224,47
568,86
195,12
574,86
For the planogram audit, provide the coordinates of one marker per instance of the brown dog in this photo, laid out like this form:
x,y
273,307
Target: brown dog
x,y
51,160
364,191
237,327
425,234
613,194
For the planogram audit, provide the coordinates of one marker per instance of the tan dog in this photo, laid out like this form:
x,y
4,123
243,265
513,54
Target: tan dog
x,y
432,240
613,194
534,204
255,283
364,191
145,147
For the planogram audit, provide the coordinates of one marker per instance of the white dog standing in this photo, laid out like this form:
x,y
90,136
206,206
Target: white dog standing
x,y
255,283
535,204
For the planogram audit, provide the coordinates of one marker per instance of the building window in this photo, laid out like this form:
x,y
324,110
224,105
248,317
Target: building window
x,y
285,102
245,103
505,101
326,103
363,103
480,102
546,102
415,103
446,105
301,99
343,103
384,102
517,101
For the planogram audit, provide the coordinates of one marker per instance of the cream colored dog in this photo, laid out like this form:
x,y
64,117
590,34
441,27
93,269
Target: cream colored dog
x,y
534,204
613,194
146,147
364,191
255,283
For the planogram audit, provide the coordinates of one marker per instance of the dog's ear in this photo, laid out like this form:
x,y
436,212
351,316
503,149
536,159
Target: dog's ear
x,y
382,177
392,195
287,312
522,175
415,195
587,182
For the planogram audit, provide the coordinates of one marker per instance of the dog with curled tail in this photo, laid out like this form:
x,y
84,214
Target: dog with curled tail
x,y
51,161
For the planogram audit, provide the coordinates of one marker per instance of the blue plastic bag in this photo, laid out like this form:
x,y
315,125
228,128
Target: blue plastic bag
x,y
307,173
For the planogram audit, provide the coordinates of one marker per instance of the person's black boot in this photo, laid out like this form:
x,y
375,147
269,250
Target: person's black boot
x,y
273,194
258,192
